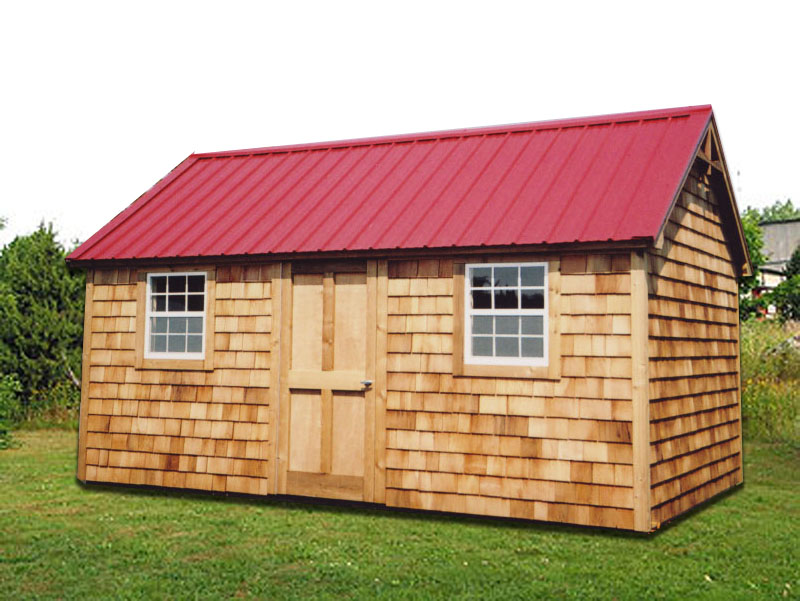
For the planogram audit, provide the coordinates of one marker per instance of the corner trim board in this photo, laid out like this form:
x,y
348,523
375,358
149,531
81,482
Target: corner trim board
x,y
640,387
85,369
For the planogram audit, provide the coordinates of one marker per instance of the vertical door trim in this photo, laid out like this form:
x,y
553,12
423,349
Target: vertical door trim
x,y
369,394
283,387
86,364
276,286
381,319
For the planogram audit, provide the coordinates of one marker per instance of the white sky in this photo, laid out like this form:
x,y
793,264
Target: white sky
x,y
99,100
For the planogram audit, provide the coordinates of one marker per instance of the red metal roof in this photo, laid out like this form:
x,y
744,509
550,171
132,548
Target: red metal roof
x,y
609,178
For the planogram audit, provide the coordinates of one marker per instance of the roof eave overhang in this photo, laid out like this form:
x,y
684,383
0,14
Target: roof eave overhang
x,y
386,253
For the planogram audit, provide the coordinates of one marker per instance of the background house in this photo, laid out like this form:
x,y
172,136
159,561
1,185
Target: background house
x,y
781,238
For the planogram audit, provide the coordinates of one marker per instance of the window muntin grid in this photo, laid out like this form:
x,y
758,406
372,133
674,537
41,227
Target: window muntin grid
x,y
506,314
175,315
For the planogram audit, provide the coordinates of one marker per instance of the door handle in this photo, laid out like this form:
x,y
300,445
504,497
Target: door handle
x,y
366,383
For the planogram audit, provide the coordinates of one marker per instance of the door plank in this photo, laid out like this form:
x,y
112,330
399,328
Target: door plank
x,y
328,312
350,344
305,450
327,432
306,318
348,449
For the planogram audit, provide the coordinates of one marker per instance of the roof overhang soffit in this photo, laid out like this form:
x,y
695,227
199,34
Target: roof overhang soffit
x,y
710,155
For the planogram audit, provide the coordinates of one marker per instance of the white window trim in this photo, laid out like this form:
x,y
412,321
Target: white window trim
x,y
148,354
469,312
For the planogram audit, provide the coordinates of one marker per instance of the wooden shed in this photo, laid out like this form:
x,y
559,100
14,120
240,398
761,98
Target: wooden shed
x,y
537,321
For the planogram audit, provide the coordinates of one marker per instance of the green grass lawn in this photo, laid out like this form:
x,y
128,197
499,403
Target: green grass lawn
x,y
61,540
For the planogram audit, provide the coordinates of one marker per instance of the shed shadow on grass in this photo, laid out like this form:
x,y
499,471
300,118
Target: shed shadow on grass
x,y
357,508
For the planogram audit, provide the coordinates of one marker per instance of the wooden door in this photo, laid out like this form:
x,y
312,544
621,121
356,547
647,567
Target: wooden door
x,y
327,395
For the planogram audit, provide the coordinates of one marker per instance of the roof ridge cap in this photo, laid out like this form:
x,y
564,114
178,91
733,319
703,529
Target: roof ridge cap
x,y
592,120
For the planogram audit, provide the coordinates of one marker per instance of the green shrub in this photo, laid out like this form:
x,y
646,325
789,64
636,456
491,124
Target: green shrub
x,y
10,408
770,410
793,265
770,381
41,322
786,298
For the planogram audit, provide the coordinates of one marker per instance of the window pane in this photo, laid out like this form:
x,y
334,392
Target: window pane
x,y
158,325
177,283
482,324
533,325
506,324
158,302
533,347
177,303
506,347
533,276
506,299
177,325
177,344
194,344
194,325
158,344
481,346
195,302
506,276
481,299
197,283
481,276
158,284
533,298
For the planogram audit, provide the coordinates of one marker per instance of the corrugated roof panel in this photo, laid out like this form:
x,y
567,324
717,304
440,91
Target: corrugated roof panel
x,y
592,179
349,219
486,193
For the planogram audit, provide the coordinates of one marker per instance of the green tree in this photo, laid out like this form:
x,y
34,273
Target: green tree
x,y
9,408
786,298
793,265
780,211
748,306
41,321
786,295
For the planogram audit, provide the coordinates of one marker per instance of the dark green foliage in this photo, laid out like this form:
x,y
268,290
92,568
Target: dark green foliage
x,y
41,322
755,243
750,307
786,298
9,406
793,266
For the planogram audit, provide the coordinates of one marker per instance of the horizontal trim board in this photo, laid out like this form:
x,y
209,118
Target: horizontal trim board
x,y
327,380
414,253
329,486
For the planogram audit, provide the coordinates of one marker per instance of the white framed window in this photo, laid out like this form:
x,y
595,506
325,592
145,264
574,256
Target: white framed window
x,y
506,314
175,323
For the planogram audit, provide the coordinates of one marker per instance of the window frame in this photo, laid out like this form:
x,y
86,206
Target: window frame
x,y
469,313
549,366
146,359
149,353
